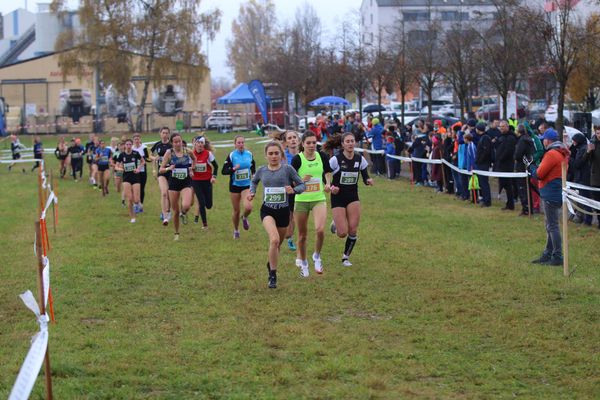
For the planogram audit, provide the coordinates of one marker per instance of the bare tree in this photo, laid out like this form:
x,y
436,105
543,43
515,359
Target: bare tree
x,y
427,61
402,74
563,35
504,51
463,61
253,32
381,67
358,65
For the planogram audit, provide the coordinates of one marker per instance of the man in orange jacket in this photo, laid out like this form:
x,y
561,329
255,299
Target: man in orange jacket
x,y
549,174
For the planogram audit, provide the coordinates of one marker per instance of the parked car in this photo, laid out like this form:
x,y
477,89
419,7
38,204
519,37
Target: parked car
x,y
449,110
219,119
492,111
551,114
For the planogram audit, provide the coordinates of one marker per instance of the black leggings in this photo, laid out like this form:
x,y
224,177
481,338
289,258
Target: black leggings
x,y
143,178
77,165
203,190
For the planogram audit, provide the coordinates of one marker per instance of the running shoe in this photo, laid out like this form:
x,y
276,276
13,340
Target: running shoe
x,y
196,219
318,263
236,234
140,208
304,272
291,244
123,202
298,262
183,218
132,220
245,223
204,227
272,281
346,262
165,222
161,216
332,227
176,237
136,209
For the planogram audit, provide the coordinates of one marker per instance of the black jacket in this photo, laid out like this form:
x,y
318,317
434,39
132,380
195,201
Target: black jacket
x,y
524,148
483,157
581,166
505,152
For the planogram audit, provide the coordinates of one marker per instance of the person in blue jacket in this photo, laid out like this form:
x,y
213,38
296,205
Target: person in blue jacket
x,y
375,136
38,152
240,166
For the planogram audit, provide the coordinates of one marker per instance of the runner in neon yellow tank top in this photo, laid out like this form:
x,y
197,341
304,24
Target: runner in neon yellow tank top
x,y
313,167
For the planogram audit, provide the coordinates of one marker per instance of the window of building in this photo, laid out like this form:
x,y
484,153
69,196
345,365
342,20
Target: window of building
x,y
454,16
371,19
418,37
416,15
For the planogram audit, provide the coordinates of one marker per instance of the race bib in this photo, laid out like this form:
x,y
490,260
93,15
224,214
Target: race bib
x,y
275,195
242,174
200,167
75,155
348,178
313,185
129,167
180,173
104,159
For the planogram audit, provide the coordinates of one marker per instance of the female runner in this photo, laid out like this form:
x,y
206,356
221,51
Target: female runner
x,y
178,161
158,150
345,205
61,152
130,162
205,174
118,149
140,148
240,165
291,140
277,179
76,152
313,167
103,156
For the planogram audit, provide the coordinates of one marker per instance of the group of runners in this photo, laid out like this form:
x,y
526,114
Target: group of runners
x,y
296,180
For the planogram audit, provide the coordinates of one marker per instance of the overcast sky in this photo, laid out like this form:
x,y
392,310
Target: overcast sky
x,y
330,11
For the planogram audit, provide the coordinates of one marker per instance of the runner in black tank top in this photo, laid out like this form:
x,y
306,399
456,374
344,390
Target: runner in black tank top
x,y
158,151
345,205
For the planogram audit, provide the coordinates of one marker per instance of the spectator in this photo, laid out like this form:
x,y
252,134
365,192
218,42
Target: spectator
x,y
593,151
581,168
513,121
436,169
524,149
470,153
504,162
376,137
549,174
447,151
390,149
494,132
418,149
483,162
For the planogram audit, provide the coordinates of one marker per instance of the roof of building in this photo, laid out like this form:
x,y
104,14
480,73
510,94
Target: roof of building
x,y
432,3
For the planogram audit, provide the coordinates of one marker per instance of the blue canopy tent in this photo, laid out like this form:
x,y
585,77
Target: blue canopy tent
x,y
240,95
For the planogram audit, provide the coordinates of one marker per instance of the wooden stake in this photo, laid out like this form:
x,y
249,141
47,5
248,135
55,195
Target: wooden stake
x,y
565,222
40,194
42,303
529,202
53,185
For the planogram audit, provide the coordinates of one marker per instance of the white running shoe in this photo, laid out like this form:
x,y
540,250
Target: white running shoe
x,y
346,262
318,263
304,272
298,262
176,237
132,220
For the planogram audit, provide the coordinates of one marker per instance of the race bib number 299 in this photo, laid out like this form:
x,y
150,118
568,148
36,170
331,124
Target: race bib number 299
x,y
275,195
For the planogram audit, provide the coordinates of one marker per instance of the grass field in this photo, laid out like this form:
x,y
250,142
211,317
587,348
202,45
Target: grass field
x,y
441,303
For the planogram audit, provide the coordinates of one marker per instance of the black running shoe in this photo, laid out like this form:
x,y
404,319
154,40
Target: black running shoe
x,y
272,281
544,259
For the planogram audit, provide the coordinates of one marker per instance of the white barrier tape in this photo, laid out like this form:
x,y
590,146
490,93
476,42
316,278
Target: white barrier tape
x,y
568,202
51,199
576,197
583,187
35,357
21,161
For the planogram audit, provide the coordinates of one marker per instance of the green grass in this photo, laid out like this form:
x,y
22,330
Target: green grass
x,y
441,303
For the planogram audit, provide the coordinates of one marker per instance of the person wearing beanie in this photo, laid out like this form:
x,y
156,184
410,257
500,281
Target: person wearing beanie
x,y
524,150
549,174
375,136
483,162
505,162
580,167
